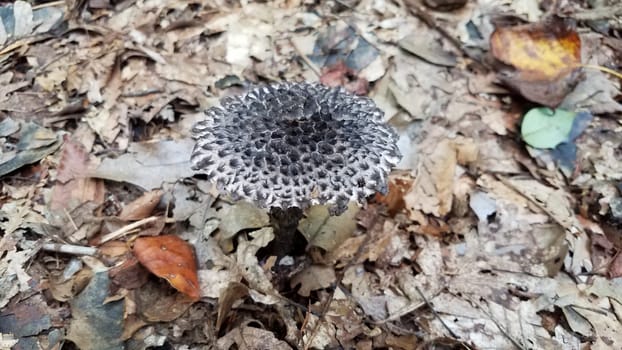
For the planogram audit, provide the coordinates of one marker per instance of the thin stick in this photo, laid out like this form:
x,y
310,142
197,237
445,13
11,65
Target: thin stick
x,y
501,329
436,313
126,229
69,249
73,223
603,69
306,59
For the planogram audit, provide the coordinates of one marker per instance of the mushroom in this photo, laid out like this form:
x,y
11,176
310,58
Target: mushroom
x,y
292,145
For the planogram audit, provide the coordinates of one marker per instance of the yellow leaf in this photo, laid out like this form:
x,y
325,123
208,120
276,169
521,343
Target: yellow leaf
x,y
542,51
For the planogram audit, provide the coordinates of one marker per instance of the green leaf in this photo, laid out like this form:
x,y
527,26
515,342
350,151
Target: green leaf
x,y
546,128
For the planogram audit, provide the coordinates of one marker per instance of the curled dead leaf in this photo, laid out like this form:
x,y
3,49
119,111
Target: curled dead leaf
x,y
171,258
142,206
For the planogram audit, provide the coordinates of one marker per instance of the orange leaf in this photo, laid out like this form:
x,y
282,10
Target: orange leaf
x,y
171,258
539,51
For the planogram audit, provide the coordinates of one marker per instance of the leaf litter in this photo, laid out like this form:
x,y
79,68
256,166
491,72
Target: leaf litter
x,y
484,240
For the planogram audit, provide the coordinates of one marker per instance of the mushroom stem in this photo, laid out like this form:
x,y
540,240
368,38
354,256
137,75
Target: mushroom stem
x,y
285,224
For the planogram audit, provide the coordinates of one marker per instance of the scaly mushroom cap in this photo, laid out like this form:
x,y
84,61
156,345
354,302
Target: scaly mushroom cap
x,y
296,145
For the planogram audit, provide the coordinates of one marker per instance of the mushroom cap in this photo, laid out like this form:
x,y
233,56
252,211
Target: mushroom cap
x,y
296,145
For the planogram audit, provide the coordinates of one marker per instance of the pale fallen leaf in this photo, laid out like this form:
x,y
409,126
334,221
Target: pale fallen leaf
x,y
249,338
482,205
149,164
596,93
240,216
429,50
7,341
313,278
258,280
554,202
326,231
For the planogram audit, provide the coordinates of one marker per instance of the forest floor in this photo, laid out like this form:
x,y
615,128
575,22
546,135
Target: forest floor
x,y
499,231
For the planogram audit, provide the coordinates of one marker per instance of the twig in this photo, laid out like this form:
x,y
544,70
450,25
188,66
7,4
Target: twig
x,y
501,329
436,313
69,249
73,223
126,229
306,59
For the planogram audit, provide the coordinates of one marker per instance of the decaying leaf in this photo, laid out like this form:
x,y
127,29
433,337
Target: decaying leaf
x,y
34,143
95,324
547,57
429,50
157,305
171,258
258,279
27,318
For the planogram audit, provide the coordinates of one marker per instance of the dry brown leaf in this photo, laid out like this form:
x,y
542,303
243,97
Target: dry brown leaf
x,y
74,193
241,216
313,278
73,187
554,202
65,290
114,249
129,274
261,288
156,305
399,184
234,292
432,190
433,185
142,206
149,164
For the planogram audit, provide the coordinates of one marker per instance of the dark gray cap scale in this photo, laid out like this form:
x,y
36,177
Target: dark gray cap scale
x,y
296,145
